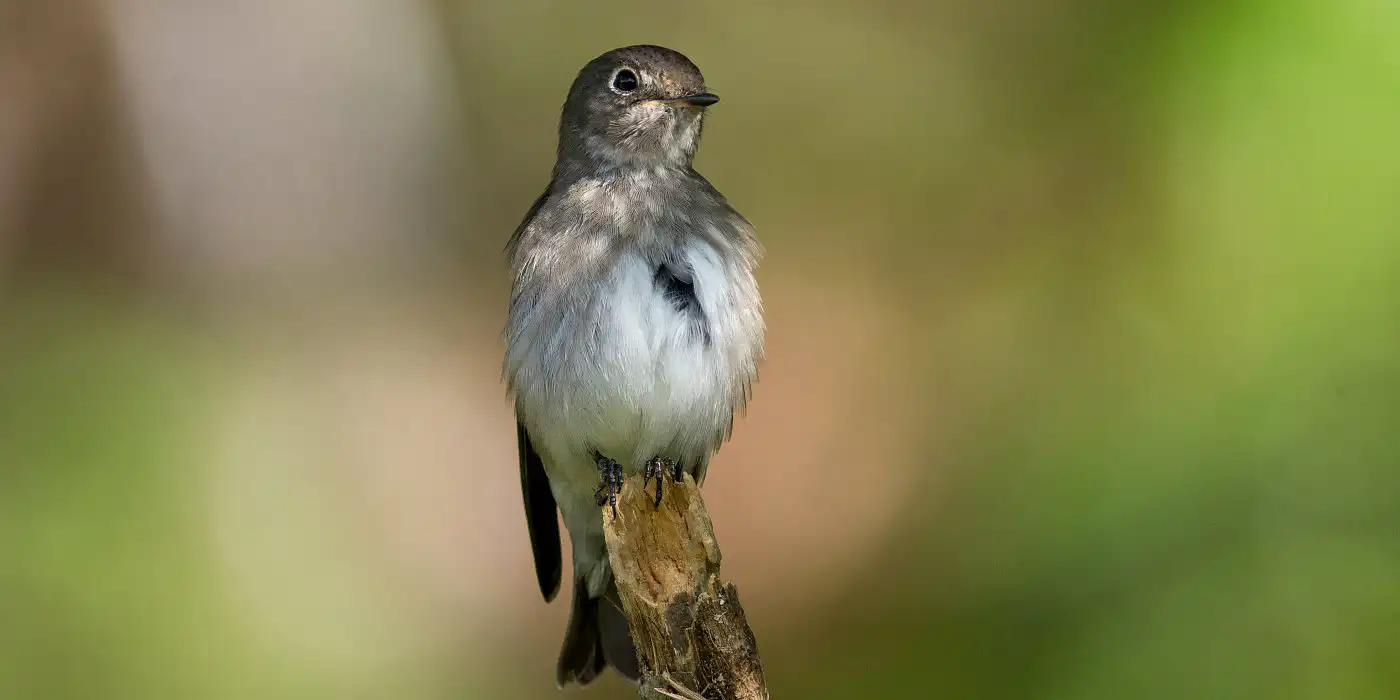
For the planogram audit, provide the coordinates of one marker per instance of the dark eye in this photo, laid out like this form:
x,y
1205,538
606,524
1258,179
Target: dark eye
x,y
625,81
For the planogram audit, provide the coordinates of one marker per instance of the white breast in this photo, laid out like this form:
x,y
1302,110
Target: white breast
x,y
654,384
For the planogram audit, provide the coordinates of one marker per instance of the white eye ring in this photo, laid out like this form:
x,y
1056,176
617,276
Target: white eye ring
x,y
625,80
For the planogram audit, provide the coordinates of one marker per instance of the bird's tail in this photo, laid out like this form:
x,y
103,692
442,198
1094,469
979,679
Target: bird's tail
x,y
596,638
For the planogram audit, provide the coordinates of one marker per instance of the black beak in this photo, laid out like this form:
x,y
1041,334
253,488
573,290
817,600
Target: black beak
x,y
699,99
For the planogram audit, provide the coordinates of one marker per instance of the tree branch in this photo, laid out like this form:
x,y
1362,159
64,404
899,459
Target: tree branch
x,y
692,638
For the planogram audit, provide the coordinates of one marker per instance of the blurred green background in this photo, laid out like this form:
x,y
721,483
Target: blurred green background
x,y
1082,378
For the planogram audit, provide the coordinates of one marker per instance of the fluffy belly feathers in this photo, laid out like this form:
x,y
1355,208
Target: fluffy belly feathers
x,y
660,383
649,377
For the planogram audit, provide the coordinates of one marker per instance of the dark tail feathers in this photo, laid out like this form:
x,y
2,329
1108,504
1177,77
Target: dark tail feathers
x,y
597,637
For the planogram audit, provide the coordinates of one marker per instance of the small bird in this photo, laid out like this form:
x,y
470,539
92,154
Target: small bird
x,y
635,325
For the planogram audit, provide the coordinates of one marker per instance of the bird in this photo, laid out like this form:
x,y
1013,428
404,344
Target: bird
x,y
634,330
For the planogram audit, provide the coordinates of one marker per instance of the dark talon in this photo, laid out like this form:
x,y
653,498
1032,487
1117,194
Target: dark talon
x,y
654,468
609,481
659,467
647,472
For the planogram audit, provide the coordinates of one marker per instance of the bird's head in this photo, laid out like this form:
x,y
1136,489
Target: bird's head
x,y
635,107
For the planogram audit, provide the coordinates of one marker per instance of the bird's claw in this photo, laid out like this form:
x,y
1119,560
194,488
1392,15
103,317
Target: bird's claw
x,y
609,482
659,468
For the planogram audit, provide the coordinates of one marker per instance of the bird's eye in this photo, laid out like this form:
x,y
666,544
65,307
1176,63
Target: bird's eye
x,y
625,81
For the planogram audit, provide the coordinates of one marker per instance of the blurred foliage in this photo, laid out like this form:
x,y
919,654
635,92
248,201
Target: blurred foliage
x,y
1147,261
1197,495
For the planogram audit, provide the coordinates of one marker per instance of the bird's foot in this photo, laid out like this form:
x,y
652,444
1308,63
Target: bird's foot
x,y
659,468
609,481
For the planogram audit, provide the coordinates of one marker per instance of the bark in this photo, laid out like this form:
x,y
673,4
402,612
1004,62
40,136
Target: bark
x,y
690,631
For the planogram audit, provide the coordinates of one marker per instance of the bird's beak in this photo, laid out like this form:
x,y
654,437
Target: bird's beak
x,y
699,99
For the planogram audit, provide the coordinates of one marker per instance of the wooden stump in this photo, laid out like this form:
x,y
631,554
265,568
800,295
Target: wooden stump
x,y
691,635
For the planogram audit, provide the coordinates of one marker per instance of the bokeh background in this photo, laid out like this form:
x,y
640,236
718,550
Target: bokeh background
x,y
1082,375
